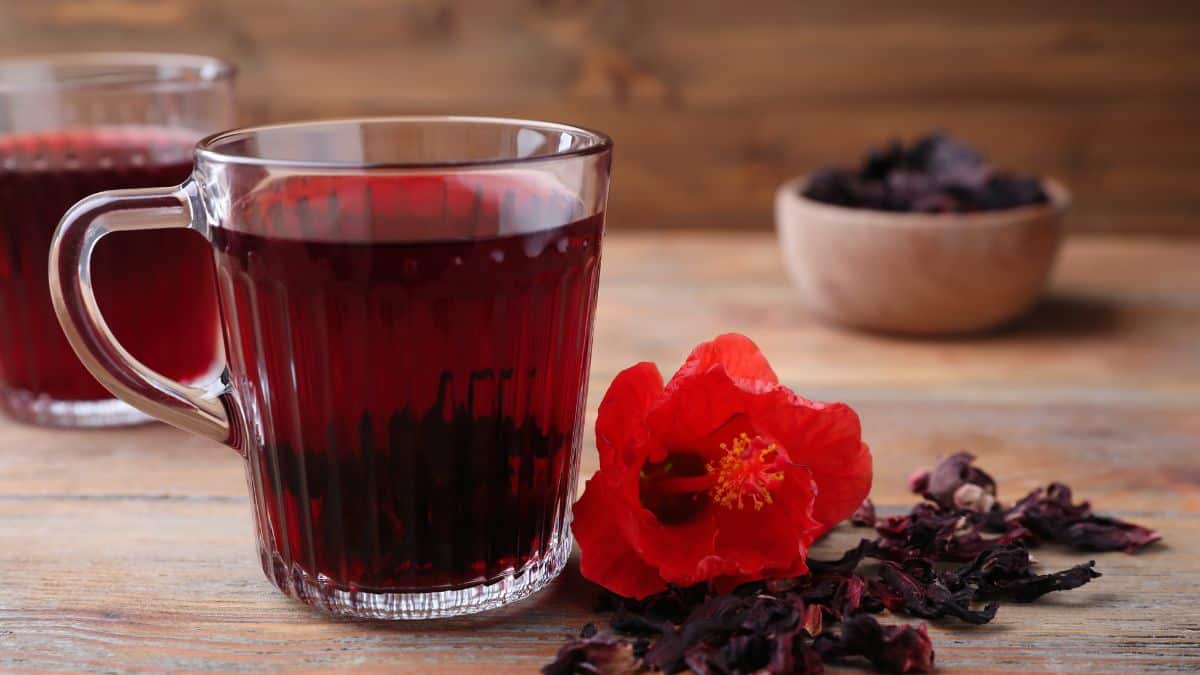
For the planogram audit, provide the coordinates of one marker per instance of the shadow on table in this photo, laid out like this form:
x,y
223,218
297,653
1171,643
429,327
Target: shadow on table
x,y
1066,316
1054,317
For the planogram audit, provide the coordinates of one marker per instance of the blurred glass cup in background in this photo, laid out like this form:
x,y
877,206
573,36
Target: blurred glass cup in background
x,y
72,125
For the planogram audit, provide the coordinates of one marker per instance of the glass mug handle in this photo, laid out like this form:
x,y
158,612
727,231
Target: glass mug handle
x,y
200,409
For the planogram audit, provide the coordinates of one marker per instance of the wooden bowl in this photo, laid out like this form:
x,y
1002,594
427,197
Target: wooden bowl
x,y
917,273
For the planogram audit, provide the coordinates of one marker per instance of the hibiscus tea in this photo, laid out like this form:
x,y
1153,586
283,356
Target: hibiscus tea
x,y
156,288
414,402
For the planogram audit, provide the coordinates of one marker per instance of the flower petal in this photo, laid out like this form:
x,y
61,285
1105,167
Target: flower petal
x,y
678,550
736,353
773,537
620,422
603,527
825,437
694,408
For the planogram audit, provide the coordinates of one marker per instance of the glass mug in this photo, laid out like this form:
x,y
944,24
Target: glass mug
x,y
407,308
72,125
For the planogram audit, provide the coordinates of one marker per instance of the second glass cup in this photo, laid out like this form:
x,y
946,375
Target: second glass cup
x,y
407,308
75,124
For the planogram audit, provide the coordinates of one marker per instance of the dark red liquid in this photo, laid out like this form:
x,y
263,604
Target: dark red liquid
x,y
155,288
415,407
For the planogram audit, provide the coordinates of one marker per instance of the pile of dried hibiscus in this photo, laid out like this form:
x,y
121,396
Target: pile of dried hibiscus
x,y
934,174
958,548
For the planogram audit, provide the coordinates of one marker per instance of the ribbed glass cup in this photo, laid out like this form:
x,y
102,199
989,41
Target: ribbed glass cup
x,y
407,306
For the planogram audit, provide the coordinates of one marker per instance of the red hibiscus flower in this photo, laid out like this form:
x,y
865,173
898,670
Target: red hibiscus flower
x,y
723,475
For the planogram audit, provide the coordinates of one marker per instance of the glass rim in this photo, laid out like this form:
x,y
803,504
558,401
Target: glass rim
x,y
207,150
192,70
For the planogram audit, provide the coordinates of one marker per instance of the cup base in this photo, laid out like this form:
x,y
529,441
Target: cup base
x,y
410,605
26,406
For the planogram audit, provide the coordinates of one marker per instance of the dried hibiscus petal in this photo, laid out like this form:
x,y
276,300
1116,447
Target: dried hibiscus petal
x,y
930,530
1028,589
632,623
1052,515
946,482
793,655
865,515
754,651
1007,571
714,622
595,652
813,620
1099,533
918,591
670,606
848,598
740,633
898,649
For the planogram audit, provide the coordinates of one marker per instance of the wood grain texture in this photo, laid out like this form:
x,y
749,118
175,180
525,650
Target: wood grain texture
x,y
133,549
711,106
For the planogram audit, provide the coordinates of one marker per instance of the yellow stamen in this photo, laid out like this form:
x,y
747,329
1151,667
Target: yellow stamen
x,y
746,472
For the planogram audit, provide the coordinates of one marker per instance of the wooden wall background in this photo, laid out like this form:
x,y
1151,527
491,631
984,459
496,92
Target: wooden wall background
x,y
713,102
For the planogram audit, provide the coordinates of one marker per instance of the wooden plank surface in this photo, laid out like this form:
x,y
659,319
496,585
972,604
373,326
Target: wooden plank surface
x,y
712,105
133,549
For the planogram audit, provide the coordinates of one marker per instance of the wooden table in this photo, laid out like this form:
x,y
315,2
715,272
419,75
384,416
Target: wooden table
x,y
133,549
